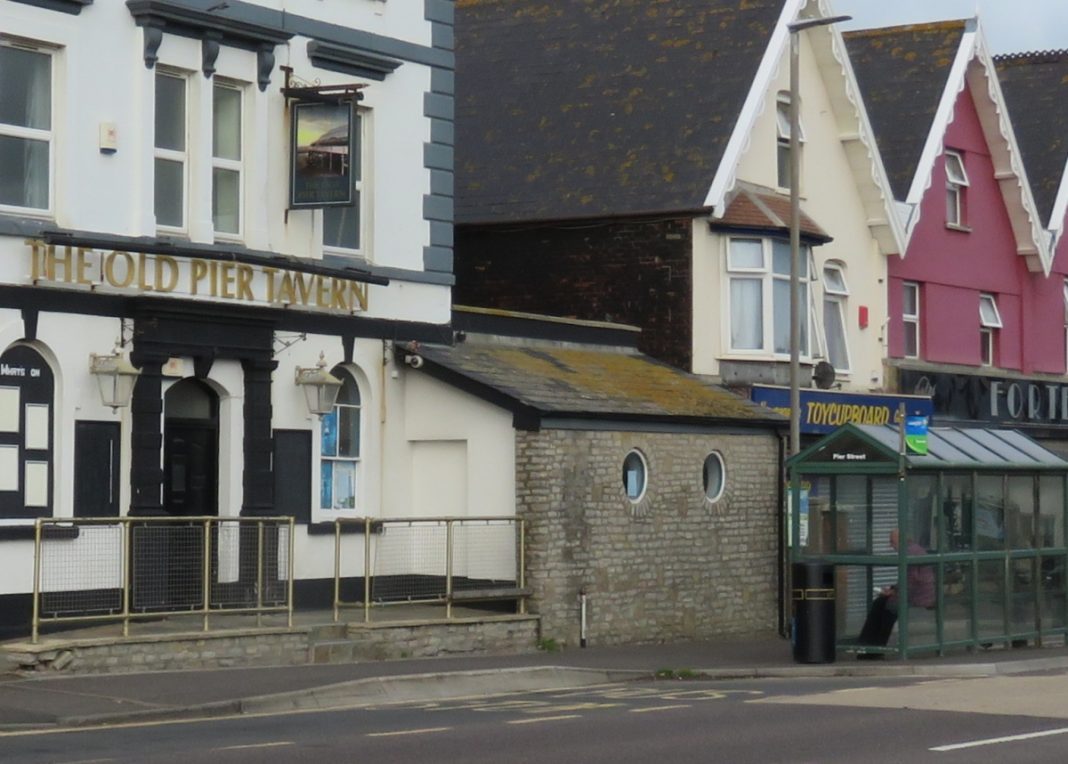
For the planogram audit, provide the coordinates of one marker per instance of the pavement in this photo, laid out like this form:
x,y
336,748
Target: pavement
x,y
31,703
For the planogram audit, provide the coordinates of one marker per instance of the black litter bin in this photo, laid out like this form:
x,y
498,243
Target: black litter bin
x,y
813,597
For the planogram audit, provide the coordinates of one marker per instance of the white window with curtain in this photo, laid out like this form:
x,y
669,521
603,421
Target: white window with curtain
x,y
956,183
835,297
227,189
26,138
171,155
989,323
782,136
339,447
345,228
758,274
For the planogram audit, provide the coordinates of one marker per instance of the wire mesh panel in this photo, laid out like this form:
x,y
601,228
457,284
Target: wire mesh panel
x,y
167,566
129,568
484,555
250,567
82,573
410,561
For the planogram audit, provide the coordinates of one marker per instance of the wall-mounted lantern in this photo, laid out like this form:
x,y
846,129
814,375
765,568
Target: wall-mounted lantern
x,y
116,377
320,387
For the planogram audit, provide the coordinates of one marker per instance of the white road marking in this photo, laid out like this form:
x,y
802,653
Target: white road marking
x,y
424,731
278,744
659,708
545,719
997,740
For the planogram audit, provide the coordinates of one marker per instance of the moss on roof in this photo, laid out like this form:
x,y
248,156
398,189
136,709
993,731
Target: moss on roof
x,y
557,379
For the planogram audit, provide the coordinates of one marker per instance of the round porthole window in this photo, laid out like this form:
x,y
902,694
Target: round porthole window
x,y
634,472
713,476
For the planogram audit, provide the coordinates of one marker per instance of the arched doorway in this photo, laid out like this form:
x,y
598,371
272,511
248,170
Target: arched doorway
x,y
191,450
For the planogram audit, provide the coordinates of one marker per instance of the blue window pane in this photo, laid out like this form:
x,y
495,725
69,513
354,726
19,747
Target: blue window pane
x,y
326,486
328,437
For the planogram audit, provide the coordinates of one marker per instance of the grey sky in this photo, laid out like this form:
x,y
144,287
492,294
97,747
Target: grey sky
x,y
1010,26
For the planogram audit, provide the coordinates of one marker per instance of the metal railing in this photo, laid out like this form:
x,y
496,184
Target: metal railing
x,y
126,568
429,560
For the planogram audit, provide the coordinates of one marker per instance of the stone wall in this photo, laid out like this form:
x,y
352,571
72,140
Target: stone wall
x,y
635,272
673,567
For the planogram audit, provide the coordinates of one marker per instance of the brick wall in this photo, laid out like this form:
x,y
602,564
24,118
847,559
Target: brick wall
x,y
632,272
675,566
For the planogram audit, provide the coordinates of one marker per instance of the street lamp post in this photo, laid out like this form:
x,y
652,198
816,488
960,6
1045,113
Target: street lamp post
x,y
795,224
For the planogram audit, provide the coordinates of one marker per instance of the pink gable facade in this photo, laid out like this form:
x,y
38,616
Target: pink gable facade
x,y
953,266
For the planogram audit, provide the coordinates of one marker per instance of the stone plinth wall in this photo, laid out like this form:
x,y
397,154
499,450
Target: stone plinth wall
x,y
505,634
277,647
674,566
160,653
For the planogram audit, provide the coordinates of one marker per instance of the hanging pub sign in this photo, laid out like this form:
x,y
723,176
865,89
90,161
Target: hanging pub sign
x,y
323,144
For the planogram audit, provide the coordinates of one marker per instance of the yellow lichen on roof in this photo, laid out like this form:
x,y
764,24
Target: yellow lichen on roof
x,y
627,378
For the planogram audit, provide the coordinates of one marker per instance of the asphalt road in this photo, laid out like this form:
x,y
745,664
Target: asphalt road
x,y
800,720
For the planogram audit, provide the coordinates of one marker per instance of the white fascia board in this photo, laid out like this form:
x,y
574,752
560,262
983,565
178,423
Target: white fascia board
x,y
725,176
877,171
1032,240
1055,226
935,143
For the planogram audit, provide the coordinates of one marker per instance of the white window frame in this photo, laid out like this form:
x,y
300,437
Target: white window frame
x,y
644,465
33,133
362,188
347,377
767,276
989,322
836,296
782,136
233,165
910,319
1065,288
172,155
956,182
713,496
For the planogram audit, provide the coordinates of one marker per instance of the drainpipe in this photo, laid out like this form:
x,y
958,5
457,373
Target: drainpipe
x,y
582,617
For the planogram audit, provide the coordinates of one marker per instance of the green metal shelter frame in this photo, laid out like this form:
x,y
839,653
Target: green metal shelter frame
x,y
985,509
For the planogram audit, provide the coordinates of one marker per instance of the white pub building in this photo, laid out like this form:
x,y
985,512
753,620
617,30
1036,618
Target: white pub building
x,y
206,207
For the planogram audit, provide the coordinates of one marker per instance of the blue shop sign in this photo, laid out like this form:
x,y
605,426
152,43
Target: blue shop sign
x,y
823,411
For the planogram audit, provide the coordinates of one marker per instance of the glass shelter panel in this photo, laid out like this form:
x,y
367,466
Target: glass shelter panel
x,y
957,512
1052,593
922,518
1022,596
1050,511
989,513
957,601
1020,511
990,599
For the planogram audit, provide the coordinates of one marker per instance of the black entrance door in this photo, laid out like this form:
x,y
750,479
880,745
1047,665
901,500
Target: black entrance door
x,y
190,458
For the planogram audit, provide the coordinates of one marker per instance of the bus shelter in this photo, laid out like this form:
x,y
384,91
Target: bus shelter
x,y
978,523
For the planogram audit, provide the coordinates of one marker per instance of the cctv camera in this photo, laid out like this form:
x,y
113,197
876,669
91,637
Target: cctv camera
x,y
416,362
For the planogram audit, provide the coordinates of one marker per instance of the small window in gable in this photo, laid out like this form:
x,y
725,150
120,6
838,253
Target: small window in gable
x,y
956,183
782,126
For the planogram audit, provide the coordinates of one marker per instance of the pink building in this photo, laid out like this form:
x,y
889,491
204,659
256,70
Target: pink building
x,y
976,306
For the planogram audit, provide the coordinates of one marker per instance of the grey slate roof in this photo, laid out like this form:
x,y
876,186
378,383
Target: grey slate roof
x,y
1036,89
586,108
572,380
902,72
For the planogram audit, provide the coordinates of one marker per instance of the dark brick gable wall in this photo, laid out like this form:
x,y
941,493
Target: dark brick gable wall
x,y
629,271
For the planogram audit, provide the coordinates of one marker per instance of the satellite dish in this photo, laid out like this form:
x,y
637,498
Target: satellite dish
x,y
823,375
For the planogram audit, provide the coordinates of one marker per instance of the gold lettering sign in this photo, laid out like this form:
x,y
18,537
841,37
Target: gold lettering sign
x,y
142,272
